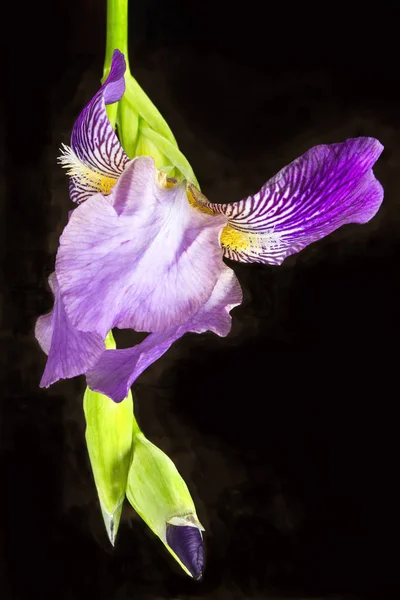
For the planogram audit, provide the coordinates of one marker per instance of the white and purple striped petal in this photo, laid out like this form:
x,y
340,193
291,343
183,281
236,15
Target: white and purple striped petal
x,y
327,187
142,258
70,352
96,158
117,370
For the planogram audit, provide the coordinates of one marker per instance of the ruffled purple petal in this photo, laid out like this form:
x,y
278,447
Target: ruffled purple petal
x,y
187,543
117,370
141,259
70,352
327,187
96,158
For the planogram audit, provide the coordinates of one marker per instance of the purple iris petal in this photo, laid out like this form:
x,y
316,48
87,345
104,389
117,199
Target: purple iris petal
x,y
187,543
116,370
141,258
70,352
327,187
93,139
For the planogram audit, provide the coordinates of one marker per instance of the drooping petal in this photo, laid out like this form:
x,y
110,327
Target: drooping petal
x,y
117,370
187,543
327,187
141,258
96,159
70,352
44,324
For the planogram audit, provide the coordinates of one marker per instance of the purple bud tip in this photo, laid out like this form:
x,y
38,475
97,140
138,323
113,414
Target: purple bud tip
x,y
187,543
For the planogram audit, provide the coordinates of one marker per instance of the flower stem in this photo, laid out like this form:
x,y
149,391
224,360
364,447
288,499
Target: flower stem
x,y
117,31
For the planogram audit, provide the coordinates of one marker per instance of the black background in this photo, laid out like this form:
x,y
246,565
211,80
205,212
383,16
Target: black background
x,y
286,430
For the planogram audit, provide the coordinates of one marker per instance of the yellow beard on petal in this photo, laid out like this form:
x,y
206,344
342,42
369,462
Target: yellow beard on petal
x,y
234,240
78,170
255,243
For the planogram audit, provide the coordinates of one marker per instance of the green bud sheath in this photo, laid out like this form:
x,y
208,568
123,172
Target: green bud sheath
x,y
109,429
127,126
158,493
145,147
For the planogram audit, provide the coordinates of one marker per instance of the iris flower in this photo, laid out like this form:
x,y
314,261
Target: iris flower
x,y
145,252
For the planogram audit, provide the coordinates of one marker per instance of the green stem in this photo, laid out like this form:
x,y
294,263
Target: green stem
x,y
117,31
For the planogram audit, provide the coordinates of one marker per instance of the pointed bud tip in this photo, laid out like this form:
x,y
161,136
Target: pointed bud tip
x,y
111,522
187,543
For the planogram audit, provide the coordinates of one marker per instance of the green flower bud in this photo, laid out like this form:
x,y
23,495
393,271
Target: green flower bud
x,y
109,429
160,496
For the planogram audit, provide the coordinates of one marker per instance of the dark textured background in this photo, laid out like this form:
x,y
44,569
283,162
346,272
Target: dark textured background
x,y
286,431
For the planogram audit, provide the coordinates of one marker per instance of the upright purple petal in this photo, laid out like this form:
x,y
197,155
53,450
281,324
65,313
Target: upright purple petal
x,y
96,159
70,352
141,259
327,187
117,370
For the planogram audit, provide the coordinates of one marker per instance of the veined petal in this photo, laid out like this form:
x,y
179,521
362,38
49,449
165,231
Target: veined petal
x,y
117,370
70,352
142,258
96,159
327,187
